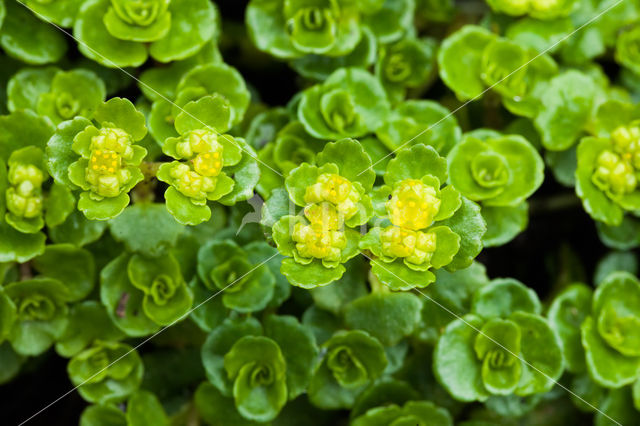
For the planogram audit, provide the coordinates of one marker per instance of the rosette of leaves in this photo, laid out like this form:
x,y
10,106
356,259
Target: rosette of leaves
x,y
497,63
503,347
55,94
415,122
143,408
348,104
539,9
62,13
607,174
211,166
432,226
610,334
292,28
626,54
247,286
142,293
106,372
121,33
291,147
352,360
100,157
217,79
406,64
411,413
333,194
260,366
40,314
501,172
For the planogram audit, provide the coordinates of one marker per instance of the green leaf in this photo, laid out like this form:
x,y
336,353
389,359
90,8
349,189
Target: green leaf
x,y
310,276
352,160
148,229
455,363
615,261
193,23
122,300
468,223
210,112
74,267
77,230
121,113
566,313
504,296
497,345
542,352
504,223
27,85
21,129
459,61
42,314
19,247
389,317
23,35
143,408
298,347
213,406
391,20
102,415
219,343
88,322
60,156
95,42
414,163
59,204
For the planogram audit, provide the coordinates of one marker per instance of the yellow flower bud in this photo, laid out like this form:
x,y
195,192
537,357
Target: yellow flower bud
x,y
318,242
324,214
106,171
413,204
415,246
613,172
24,196
196,142
336,190
190,183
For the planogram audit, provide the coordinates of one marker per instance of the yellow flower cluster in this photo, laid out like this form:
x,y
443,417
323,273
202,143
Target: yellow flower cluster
x,y
617,168
24,196
332,199
107,172
413,206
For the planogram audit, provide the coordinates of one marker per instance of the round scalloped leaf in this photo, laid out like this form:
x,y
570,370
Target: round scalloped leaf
x,y
399,277
77,230
420,122
504,223
542,351
615,261
455,363
389,317
29,39
352,160
58,205
193,24
72,266
298,346
144,408
88,321
21,129
568,101
211,112
310,276
213,406
390,21
26,86
208,311
121,113
146,228
60,156
606,366
105,209
567,311
183,210
470,226
460,58
414,163
95,42
18,247
624,236
62,13
245,175
219,342
103,415
123,301
33,336
504,296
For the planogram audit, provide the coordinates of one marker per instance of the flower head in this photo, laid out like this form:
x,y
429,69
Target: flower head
x,y
24,197
415,246
613,173
336,190
413,204
191,183
317,241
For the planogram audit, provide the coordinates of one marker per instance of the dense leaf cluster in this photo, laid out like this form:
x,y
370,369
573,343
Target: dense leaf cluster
x,y
198,255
